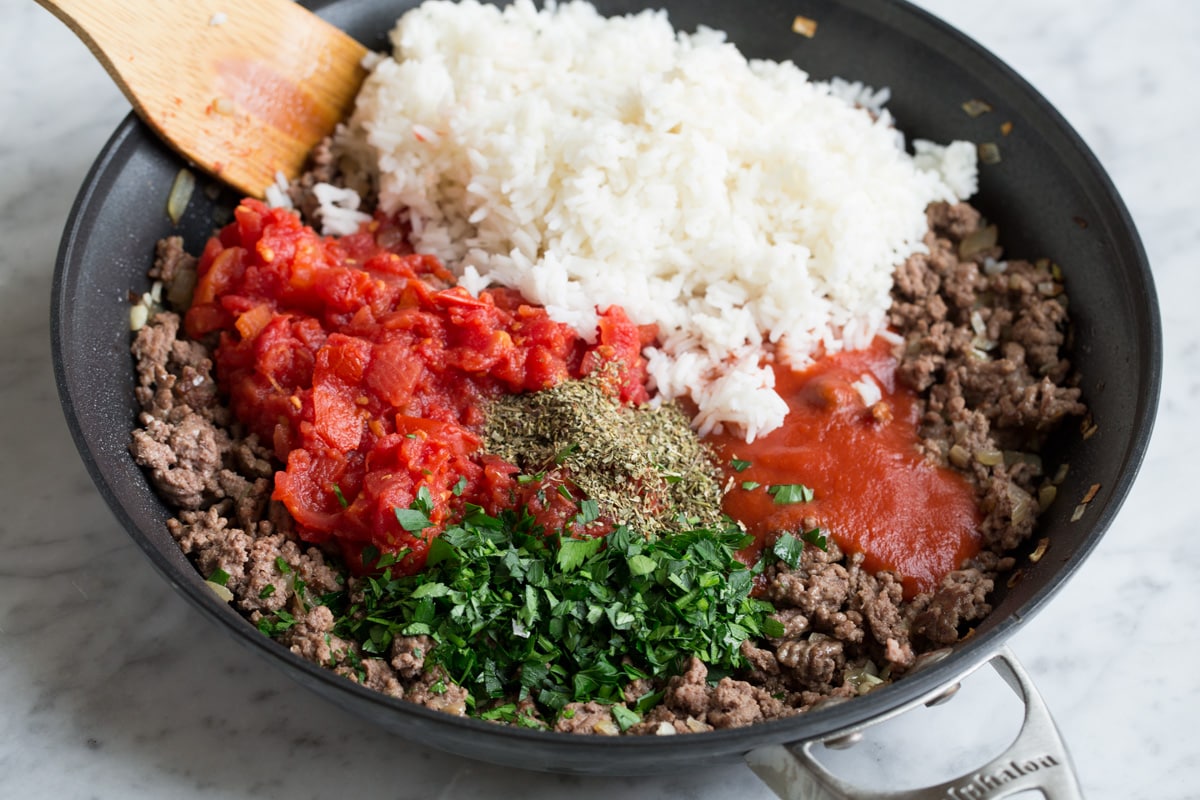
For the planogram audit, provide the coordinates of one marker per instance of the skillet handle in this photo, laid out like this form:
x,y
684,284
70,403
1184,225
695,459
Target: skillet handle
x,y
1037,759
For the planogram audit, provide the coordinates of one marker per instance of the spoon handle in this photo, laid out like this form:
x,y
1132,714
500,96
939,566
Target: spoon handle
x,y
244,88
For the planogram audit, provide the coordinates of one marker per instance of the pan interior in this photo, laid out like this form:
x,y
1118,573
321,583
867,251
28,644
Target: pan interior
x,y
1048,195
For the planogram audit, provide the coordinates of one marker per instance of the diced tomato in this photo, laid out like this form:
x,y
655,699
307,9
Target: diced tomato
x,y
250,323
369,372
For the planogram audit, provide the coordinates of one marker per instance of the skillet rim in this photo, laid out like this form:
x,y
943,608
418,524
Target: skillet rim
x,y
132,135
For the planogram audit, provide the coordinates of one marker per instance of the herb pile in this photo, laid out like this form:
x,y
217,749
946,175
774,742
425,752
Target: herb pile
x,y
517,613
643,465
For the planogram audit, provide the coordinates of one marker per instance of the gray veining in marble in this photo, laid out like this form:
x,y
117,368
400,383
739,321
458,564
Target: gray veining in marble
x,y
113,687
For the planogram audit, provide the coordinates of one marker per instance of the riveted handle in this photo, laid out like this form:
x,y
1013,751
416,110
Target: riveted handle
x,y
1037,759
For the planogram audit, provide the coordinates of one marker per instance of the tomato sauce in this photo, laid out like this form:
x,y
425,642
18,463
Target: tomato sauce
x,y
368,372
873,492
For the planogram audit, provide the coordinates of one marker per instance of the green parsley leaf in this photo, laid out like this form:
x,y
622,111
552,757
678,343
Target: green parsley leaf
x,y
573,552
739,465
267,591
341,498
816,539
411,519
787,548
277,623
219,576
640,565
589,511
423,501
625,718
773,628
785,493
434,589
648,701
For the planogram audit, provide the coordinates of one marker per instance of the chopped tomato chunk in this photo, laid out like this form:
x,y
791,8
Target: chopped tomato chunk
x,y
369,372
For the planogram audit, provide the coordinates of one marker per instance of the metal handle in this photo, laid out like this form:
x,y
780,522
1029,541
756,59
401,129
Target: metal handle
x,y
1037,759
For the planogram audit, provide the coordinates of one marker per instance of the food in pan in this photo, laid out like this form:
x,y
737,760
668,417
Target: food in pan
x,y
659,391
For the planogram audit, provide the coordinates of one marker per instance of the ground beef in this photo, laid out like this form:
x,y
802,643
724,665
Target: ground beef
x,y
312,638
171,261
588,717
983,342
183,441
327,165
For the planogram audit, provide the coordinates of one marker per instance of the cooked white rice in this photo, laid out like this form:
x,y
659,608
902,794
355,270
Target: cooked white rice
x,y
748,212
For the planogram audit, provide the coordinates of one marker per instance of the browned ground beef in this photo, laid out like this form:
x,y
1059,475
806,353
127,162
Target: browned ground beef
x,y
983,342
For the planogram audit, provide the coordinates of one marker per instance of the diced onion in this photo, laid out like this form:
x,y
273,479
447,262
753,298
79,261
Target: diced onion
x,y
1040,550
181,194
989,153
804,26
989,458
1046,496
138,316
977,323
220,591
976,108
1017,457
606,727
179,293
978,241
959,456
1022,503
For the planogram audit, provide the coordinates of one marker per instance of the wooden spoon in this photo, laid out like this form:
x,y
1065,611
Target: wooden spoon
x,y
244,88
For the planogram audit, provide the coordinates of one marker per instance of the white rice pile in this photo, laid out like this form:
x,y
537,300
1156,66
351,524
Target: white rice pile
x,y
749,213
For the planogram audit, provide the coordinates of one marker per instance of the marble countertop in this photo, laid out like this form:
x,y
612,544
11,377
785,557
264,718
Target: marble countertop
x,y
112,686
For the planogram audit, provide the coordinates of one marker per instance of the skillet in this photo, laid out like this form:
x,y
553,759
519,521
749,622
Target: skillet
x,y
1048,195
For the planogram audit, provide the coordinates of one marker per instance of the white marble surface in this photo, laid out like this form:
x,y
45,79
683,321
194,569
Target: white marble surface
x,y
111,686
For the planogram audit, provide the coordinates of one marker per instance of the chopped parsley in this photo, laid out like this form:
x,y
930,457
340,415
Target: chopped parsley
x,y
739,465
415,518
788,547
341,498
219,576
625,718
516,613
785,493
816,539
277,623
412,520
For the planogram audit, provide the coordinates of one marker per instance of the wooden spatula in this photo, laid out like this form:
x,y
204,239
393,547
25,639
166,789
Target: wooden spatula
x,y
244,88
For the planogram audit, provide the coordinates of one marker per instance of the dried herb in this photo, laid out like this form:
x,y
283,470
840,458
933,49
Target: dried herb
x,y
644,467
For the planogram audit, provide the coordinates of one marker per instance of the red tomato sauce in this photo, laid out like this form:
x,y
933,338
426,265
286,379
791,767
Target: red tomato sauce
x,y
368,372
872,491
